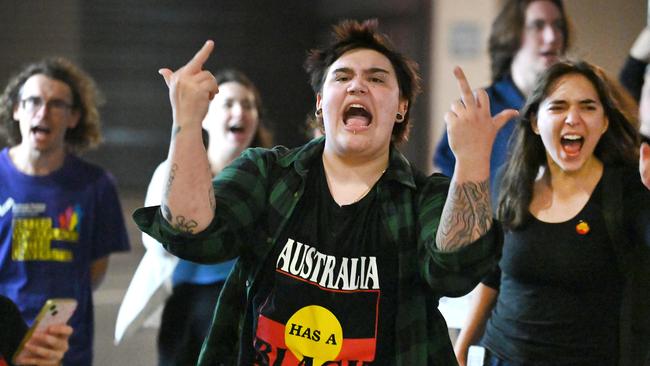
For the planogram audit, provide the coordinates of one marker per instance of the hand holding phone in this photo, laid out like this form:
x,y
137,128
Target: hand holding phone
x,y
476,356
47,345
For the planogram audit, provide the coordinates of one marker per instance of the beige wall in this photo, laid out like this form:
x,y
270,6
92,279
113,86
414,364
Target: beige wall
x,y
605,29
453,21
604,32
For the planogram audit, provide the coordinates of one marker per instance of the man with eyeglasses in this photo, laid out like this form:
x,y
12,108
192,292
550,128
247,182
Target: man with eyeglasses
x,y
60,216
527,37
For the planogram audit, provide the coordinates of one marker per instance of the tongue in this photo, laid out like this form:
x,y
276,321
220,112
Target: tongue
x,y
356,122
572,147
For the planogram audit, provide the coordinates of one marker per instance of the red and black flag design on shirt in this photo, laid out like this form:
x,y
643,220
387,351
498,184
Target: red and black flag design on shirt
x,y
325,315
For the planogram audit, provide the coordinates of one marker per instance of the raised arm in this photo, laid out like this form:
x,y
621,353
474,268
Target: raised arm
x,y
467,214
188,199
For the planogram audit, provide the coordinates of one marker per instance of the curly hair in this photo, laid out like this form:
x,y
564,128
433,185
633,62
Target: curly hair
x,y
507,28
85,99
350,35
617,146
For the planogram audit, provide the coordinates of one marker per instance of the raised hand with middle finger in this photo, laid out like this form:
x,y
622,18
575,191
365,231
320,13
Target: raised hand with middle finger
x,y
188,201
191,89
472,130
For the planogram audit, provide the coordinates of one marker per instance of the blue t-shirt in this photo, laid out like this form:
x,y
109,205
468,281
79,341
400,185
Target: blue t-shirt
x,y
51,229
503,94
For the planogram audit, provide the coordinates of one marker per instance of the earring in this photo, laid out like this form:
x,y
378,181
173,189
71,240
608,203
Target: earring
x,y
399,117
319,112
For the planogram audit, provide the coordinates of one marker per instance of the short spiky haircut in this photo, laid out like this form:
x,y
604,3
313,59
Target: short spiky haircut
x,y
350,35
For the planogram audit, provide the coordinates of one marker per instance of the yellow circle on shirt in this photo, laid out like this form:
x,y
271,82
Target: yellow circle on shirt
x,y
314,331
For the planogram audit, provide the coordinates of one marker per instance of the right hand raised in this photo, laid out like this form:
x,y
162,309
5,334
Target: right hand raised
x,y
472,129
191,88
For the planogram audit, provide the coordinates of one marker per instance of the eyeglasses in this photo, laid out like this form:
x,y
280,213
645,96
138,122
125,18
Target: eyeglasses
x,y
538,25
56,106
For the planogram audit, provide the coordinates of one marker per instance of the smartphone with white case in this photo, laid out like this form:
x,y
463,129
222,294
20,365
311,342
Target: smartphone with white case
x,y
53,312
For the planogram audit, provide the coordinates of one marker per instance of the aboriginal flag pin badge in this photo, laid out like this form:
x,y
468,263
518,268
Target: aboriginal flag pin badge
x,y
582,228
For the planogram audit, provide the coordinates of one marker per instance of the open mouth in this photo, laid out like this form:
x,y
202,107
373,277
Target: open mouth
x,y
40,129
356,116
549,54
572,144
236,129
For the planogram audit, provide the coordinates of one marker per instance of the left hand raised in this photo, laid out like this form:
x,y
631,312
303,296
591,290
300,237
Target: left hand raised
x,y
471,127
644,164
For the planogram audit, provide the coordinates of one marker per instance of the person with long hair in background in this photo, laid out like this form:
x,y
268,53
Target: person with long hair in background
x,y
575,210
526,38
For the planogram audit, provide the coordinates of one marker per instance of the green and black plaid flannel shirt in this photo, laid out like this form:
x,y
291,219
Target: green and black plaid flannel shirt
x,y
256,196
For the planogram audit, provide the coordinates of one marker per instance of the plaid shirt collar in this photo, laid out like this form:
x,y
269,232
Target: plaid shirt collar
x,y
399,168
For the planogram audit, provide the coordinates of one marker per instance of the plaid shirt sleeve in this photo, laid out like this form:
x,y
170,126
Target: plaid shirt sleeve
x,y
240,191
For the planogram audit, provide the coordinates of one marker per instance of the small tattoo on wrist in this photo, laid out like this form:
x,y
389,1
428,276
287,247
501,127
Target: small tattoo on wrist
x,y
185,225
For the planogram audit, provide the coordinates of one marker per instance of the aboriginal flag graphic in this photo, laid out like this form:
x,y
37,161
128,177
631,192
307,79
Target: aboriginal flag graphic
x,y
302,323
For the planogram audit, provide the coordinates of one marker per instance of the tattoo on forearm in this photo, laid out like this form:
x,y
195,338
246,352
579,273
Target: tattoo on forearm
x,y
466,216
179,222
184,225
170,180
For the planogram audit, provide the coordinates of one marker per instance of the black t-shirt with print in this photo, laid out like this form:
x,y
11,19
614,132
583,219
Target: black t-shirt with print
x,y
329,293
